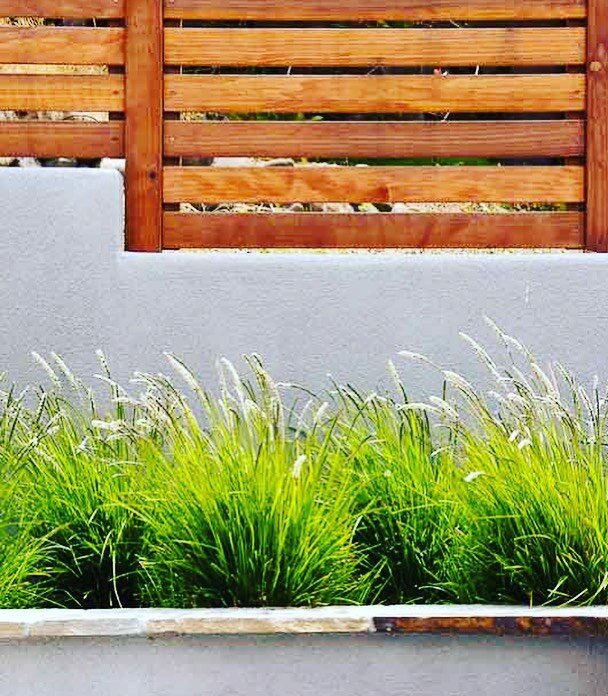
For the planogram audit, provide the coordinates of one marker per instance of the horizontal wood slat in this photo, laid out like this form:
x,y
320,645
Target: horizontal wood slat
x,y
359,47
76,9
374,184
61,45
62,139
359,10
318,230
62,92
383,139
306,10
375,94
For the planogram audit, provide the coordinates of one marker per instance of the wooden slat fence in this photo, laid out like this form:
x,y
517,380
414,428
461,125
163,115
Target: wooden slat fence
x,y
510,96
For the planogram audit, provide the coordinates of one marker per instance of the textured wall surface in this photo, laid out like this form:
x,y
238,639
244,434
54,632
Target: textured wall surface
x,y
305,666
66,285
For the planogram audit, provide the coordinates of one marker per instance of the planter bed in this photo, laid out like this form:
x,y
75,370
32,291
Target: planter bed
x,y
426,651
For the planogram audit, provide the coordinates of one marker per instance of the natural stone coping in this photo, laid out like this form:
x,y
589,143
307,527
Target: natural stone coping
x,y
61,623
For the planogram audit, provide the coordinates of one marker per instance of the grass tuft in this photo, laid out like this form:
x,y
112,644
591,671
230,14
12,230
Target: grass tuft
x,y
247,515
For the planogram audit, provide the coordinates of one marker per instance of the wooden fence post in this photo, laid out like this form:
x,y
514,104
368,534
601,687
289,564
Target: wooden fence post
x,y
144,124
597,126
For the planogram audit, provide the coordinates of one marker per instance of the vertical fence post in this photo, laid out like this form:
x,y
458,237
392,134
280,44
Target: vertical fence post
x,y
597,126
144,124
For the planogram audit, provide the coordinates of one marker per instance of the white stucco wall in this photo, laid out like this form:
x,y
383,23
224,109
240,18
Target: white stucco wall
x,y
66,285
307,666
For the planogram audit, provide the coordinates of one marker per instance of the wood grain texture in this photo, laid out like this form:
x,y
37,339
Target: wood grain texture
x,y
144,124
318,230
359,10
73,9
378,47
61,139
61,45
62,92
374,184
369,139
597,128
375,94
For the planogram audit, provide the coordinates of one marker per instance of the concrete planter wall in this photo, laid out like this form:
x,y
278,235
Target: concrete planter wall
x,y
393,651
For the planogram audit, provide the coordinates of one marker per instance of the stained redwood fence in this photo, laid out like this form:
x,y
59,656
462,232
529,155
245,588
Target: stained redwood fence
x,y
540,105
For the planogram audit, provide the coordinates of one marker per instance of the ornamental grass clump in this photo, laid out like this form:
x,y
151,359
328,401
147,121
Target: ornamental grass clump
x,y
407,514
534,486
73,494
247,505
21,556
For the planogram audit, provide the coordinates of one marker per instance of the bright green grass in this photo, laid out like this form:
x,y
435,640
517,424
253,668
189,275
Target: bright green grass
x,y
243,511
407,516
535,492
247,495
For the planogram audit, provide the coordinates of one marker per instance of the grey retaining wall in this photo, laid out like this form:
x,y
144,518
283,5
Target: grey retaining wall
x,y
66,285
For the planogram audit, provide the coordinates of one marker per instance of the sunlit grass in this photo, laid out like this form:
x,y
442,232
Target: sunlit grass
x,y
406,514
245,494
534,488
73,490
243,511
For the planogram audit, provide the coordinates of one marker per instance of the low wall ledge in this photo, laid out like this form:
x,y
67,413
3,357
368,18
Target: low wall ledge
x,y
59,623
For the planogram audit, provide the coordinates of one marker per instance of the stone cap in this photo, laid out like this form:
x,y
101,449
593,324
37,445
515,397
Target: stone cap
x,y
26,624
